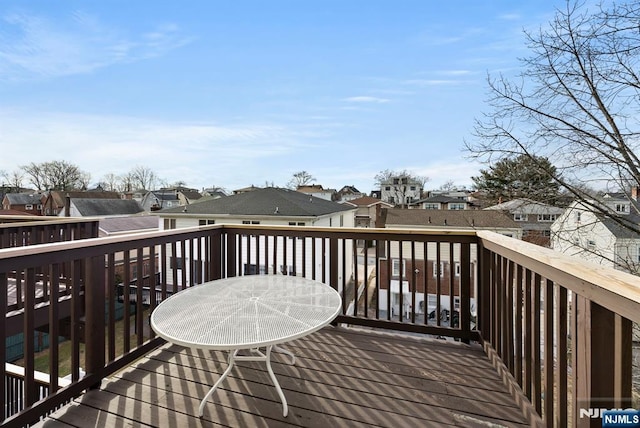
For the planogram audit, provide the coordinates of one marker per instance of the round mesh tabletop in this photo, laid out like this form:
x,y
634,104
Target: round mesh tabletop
x,y
245,312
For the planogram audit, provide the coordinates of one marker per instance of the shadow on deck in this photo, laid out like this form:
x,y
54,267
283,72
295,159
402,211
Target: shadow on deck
x,y
341,377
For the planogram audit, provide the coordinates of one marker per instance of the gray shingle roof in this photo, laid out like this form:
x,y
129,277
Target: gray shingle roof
x,y
264,202
104,207
449,218
23,199
128,223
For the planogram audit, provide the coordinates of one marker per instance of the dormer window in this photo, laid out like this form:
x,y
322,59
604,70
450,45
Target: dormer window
x,y
622,208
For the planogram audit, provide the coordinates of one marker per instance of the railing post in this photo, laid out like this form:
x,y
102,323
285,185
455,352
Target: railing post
x,y
333,264
484,295
215,266
231,254
465,291
95,298
602,362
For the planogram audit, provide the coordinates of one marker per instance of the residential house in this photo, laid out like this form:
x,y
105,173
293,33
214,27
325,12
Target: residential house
x,y
26,203
442,202
401,190
246,189
84,207
437,266
318,191
55,200
368,211
534,217
348,193
264,206
599,238
214,192
169,197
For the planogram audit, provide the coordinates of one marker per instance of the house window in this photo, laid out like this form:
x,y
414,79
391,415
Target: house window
x,y
438,268
205,222
520,217
250,222
547,217
456,206
294,223
622,208
28,207
456,303
457,269
591,243
169,223
395,268
387,188
431,206
413,188
578,216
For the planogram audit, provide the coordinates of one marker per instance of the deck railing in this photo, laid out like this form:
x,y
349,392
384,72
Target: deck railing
x,y
451,284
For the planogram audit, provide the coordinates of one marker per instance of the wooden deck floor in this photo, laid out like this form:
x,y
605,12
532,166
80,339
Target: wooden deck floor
x,y
341,377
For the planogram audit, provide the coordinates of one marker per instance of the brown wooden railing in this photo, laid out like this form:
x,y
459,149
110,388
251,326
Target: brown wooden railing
x,y
452,284
559,329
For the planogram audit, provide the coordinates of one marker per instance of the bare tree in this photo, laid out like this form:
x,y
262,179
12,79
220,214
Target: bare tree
x,y
56,175
301,178
112,182
143,178
576,102
13,180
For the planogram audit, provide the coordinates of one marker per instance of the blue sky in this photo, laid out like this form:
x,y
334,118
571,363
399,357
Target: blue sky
x,y
244,92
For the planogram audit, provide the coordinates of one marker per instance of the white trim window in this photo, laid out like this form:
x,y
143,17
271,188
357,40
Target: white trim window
x,y
435,269
520,217
547,217
395,268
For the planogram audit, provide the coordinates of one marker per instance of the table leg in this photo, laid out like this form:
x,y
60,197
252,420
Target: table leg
x,y
288,353
285,407
233,356
231,360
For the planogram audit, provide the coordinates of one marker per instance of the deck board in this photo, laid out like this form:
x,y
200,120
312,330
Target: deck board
x,y
341,377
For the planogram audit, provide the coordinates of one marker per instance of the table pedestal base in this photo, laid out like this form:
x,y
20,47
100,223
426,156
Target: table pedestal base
x,y
261,356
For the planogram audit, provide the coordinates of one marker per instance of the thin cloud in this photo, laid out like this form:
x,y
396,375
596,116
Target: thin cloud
x,y
510,17
432,82
369,100
34,47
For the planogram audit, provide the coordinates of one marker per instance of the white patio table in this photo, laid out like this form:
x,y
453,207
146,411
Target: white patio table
x,y
246,313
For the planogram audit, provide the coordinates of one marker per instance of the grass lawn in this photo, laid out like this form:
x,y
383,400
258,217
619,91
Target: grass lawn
x,y
65,349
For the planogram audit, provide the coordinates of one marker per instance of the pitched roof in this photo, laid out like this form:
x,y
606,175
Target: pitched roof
x,y
23,198
59,196
105,207
475,219
439,199
528,206
131,223
267,201
367,201
632,218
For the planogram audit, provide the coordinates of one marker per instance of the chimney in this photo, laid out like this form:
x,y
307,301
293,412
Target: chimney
x,y
67,205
